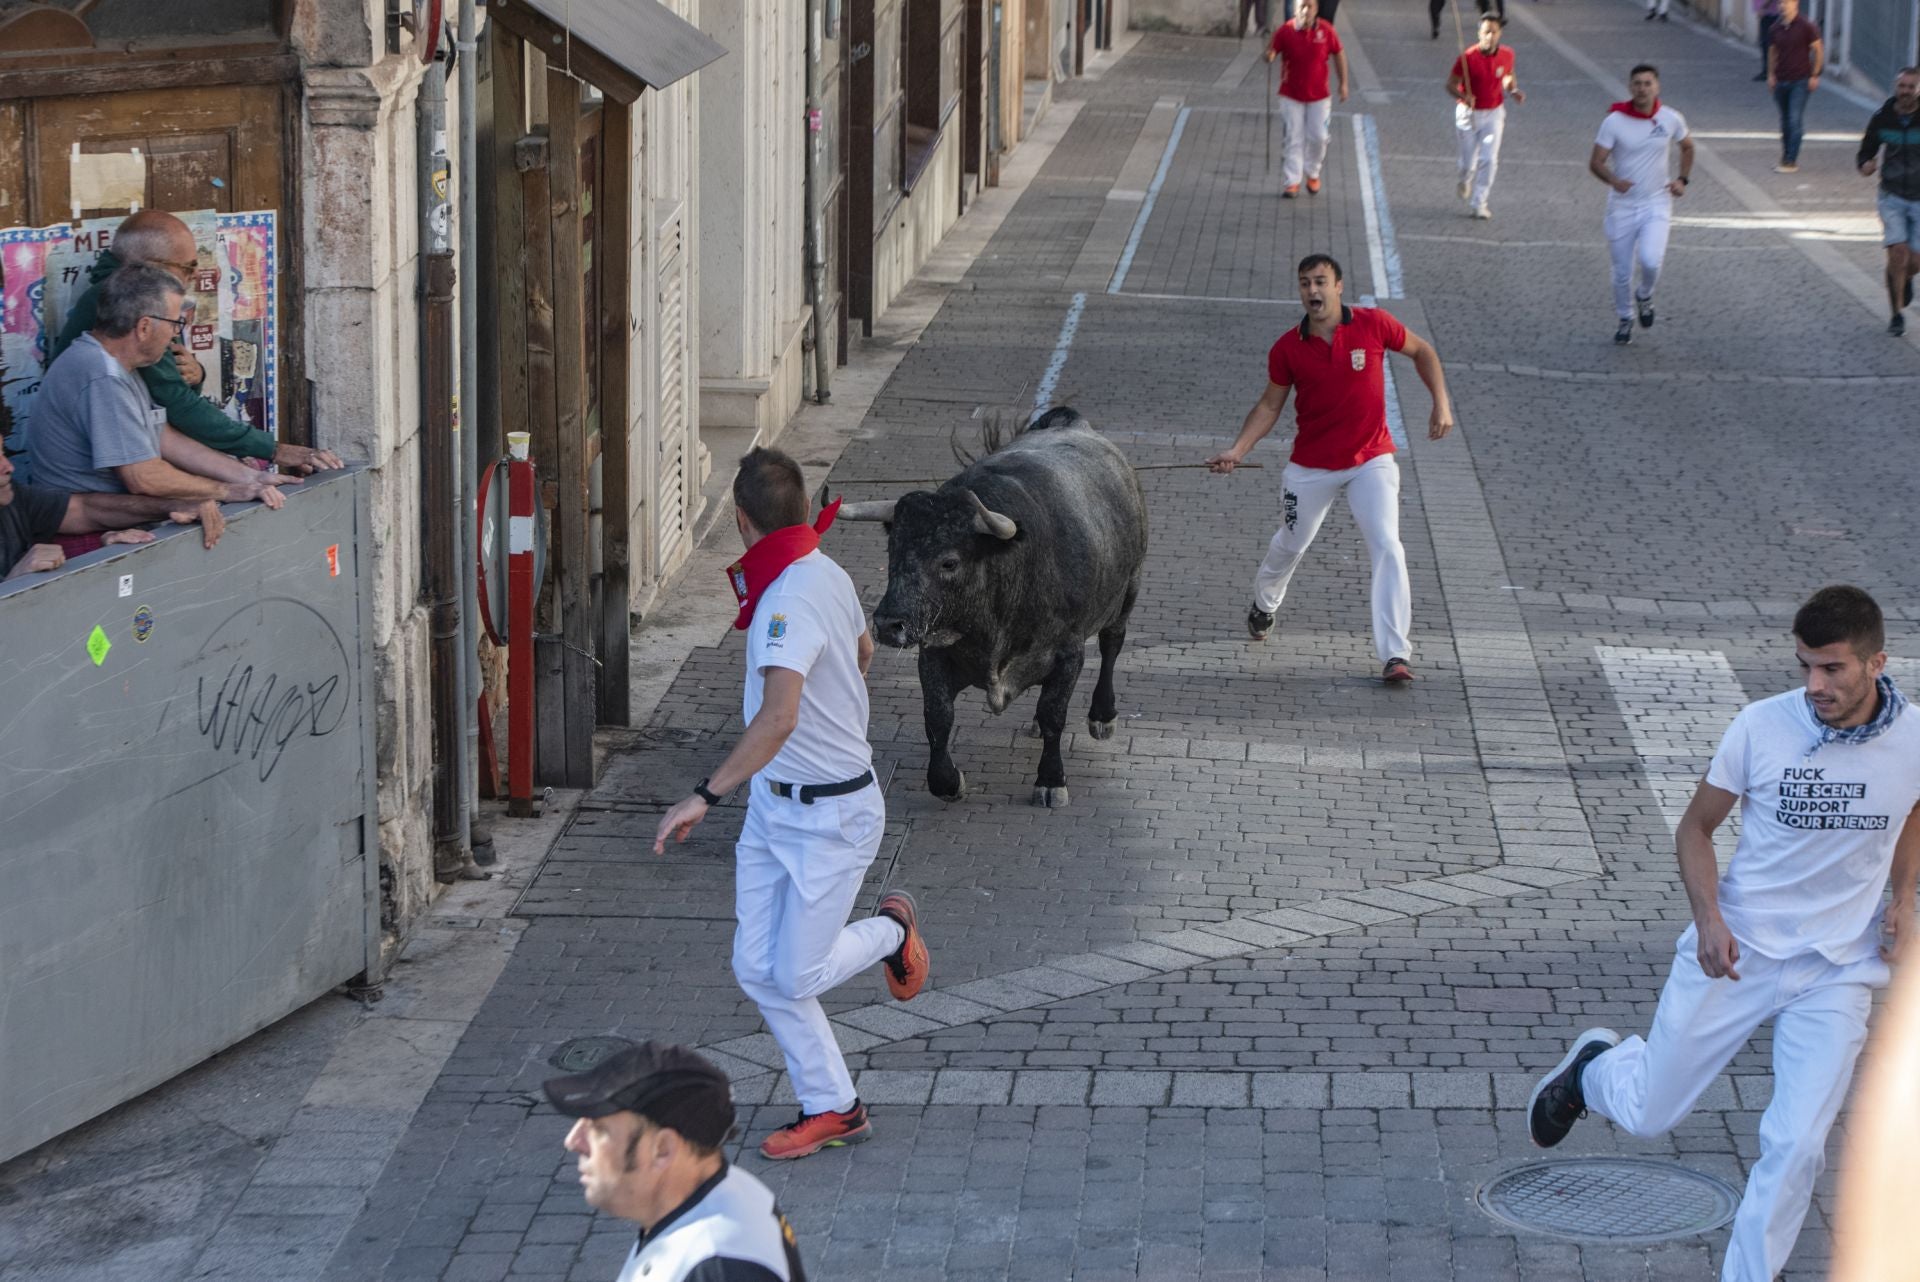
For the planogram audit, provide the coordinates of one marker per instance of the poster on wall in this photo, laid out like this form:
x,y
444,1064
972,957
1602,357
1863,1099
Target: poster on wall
x,y
231,304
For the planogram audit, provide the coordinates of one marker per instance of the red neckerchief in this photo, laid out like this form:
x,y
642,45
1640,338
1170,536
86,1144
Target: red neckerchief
x,y
768,559
1627,109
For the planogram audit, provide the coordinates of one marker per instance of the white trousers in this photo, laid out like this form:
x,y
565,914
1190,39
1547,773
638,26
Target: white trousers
x,y
1305,149
1637,234
797,870
1819,1013
1373,496
1479,133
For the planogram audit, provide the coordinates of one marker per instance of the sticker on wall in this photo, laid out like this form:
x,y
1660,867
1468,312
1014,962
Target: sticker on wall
x,y
143,623
333,560
126,585
98,645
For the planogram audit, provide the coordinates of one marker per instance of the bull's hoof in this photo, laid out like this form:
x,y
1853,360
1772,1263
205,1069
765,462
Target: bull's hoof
x,y
1051,798
1034,731
1101,729
954,789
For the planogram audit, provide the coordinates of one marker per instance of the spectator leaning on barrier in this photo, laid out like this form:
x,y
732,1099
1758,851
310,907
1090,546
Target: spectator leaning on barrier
x,y
1891,147
651,1122
155,238
30,515
95,429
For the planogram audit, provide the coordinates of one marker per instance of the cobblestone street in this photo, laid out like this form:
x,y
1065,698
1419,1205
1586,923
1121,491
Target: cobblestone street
x,y
1265,1001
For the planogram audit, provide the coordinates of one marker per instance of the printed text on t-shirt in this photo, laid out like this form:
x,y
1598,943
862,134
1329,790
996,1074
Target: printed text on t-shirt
x,y
1808,801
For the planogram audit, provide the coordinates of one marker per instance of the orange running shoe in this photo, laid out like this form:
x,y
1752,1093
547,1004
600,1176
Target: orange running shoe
x,y
1288,193
815,1131
906,967
1313,186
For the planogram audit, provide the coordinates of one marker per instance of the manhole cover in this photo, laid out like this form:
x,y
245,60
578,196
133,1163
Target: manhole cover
x,y
583,1053
1609,1199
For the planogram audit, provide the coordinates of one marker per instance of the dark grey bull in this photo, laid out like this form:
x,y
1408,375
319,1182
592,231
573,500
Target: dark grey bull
x,y
1002,574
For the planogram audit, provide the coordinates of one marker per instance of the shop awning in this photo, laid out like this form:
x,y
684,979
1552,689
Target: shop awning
x,y
618,46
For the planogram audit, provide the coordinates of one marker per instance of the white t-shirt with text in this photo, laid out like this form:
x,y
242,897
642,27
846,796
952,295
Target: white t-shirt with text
x,y
1817,828
1639,150
809,620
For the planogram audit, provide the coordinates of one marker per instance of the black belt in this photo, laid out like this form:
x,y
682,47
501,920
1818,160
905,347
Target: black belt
x,y
806,792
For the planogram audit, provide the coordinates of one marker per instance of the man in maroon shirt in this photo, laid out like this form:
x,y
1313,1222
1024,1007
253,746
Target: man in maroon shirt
x,y
1795,56
1337,360
1305,44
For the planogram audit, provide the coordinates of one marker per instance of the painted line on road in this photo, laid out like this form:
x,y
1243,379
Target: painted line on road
x,y
1043,395
1676,704
1146,206
1383,256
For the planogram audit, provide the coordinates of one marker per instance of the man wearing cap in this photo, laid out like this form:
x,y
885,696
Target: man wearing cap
x,y
651,1120
814,816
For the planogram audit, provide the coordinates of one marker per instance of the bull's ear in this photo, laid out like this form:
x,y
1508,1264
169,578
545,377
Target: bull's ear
x,y
988,521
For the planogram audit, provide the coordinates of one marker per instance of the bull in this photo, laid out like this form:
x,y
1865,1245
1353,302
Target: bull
x,y
1001,575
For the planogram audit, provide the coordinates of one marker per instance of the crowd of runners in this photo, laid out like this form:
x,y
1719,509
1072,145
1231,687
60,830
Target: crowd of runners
x,y
1796,931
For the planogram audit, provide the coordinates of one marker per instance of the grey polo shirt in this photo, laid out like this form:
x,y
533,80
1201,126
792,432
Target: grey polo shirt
x,y
93,415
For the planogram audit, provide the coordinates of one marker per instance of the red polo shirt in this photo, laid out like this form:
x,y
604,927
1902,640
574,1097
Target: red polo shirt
x,y
1486,75
1303,59
1340,390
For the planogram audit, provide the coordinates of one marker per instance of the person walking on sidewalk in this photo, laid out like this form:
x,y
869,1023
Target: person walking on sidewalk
x,y
814,817
1336,358
1657,9
650,1122
1795,56
1257,10
1828,779
1891,145
1305,44
1630,157
1480,83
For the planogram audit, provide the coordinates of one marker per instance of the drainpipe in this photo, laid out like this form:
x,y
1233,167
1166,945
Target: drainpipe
x,y
467,61
996,16
440,484
814,250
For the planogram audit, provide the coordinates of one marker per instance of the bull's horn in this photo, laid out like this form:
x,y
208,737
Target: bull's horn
x,y
871,510
988,521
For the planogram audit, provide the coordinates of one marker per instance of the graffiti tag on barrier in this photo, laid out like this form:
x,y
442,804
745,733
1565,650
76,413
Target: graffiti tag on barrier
x,y
253,710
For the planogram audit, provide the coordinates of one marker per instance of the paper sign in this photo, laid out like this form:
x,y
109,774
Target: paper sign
x,y
126,585
98,645
107,180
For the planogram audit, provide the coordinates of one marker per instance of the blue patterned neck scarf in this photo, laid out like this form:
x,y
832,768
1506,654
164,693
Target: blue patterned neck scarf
x,y
1892,702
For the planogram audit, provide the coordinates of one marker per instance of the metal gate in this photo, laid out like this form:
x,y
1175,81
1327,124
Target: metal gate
x,y
188,832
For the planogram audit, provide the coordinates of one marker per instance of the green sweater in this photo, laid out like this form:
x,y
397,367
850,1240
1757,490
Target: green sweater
x,y
188,411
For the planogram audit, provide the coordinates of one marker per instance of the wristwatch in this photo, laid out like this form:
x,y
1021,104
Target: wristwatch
x,y
1683,180
700,791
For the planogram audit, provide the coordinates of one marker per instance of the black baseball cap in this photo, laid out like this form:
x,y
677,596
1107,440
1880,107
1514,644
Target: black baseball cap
x,y
669,1085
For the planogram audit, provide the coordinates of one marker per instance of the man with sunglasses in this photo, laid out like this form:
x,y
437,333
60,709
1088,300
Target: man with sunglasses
x,y
97,431
155,238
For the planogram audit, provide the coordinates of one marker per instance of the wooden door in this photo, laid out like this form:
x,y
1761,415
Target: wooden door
x,y
218,148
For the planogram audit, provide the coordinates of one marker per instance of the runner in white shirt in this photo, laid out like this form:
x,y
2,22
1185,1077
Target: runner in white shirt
x,y
1630,157
814,816
1828,779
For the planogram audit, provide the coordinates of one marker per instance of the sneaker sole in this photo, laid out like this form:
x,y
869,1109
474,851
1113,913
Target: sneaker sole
x,y
1580,1043
916,950
860,1136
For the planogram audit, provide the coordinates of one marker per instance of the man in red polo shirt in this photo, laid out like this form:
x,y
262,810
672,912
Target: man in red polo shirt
x,y
1481,82
1337,360
1305,44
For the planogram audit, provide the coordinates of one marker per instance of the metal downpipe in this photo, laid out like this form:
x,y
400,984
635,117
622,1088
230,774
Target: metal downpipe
x,y
811,130
468,173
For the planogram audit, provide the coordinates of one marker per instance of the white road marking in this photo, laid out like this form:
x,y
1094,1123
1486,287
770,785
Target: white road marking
x,y
1383,255
1146,206
1043,395
1677,704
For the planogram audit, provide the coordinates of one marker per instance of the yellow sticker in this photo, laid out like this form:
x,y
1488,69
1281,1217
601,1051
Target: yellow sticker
x,y
98,645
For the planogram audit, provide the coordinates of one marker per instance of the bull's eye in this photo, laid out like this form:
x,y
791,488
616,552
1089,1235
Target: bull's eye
x,y
950,563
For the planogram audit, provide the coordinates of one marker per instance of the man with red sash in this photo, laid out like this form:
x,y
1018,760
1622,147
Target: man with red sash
x,y
1630,157
814,816
1305,44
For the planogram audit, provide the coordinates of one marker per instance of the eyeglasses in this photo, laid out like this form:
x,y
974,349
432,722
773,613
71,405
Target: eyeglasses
x,y
185,269
179,325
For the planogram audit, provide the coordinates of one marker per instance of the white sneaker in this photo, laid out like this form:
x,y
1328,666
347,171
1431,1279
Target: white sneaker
x,y
1465,189
1481,211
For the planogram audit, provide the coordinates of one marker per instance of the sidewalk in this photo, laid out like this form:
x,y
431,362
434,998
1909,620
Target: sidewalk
x,y
1264,1001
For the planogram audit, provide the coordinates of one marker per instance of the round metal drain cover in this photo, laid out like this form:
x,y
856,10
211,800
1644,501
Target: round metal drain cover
x,y
583,1053
1609,1199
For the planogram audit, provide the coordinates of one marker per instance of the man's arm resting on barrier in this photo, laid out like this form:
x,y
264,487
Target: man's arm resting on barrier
x,y
88,513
